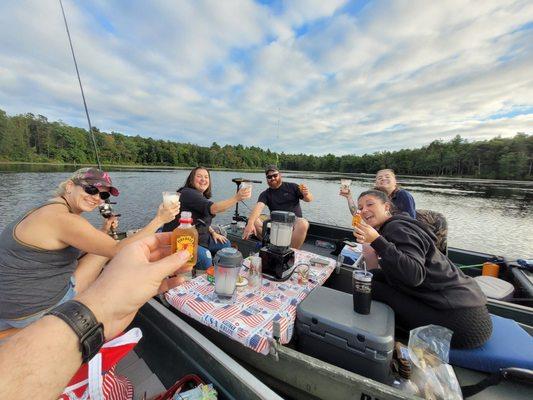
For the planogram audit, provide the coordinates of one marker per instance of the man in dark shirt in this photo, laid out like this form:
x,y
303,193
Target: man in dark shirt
x,y
280,196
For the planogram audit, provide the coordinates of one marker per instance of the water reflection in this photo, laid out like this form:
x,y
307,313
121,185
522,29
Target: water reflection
x,y
488,216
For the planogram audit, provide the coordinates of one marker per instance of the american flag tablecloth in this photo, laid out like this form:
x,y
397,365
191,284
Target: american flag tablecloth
x,y
250,317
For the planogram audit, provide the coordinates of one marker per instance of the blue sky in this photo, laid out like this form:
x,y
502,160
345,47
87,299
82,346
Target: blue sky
x,y
346,77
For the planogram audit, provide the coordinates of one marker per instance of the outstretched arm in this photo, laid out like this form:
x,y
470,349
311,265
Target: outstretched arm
x,y
250,226
43,357
351,203
221,206
76,231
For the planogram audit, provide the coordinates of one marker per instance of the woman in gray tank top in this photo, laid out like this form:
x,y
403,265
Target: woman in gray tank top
x,y
39,252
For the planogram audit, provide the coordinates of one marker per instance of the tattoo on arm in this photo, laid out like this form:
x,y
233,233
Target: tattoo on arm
x,y
352,206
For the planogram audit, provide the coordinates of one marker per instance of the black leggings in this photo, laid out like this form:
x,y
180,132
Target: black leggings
x,y
471,326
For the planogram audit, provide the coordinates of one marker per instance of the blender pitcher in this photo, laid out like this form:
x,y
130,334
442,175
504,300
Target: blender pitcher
x,y
227,263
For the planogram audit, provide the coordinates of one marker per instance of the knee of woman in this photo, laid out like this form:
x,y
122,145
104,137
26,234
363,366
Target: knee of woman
x,y
205,259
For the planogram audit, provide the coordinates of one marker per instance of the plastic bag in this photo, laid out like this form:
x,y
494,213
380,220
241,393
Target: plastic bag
x,y
429,347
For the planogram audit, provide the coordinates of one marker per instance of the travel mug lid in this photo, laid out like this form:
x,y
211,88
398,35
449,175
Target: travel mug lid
x,y
362,276
229,257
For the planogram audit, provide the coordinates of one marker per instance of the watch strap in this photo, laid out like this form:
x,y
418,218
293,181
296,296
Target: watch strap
x,y
83,322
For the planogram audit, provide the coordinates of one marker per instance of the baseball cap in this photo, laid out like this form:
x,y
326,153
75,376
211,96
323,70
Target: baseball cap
x,y
94,177
271,167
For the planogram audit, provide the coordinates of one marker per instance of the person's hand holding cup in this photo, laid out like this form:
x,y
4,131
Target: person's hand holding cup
x,y
171,199
345,187
245,191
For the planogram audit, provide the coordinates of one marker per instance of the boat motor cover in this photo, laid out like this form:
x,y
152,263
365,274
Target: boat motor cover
x,y
508,346
329,329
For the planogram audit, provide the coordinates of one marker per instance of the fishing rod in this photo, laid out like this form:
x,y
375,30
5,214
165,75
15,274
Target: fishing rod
x,y
81,87
106,210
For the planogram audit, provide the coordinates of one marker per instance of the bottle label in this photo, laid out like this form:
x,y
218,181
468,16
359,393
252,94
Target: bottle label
x,y
186,243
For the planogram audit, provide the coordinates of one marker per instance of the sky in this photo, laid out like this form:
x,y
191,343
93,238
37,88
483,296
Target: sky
x,y
302,76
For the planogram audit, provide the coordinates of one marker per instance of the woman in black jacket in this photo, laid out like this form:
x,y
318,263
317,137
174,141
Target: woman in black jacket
x,y
419,282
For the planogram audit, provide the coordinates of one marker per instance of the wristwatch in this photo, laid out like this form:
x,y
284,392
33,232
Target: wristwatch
x,y
83,322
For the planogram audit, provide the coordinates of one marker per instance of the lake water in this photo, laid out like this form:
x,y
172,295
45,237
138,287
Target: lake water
x,y
487,216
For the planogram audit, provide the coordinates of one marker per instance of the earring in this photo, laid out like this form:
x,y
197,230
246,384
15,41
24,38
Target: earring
x,y
68,192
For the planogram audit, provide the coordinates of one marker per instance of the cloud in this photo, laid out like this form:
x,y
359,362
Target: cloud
x,y
297,76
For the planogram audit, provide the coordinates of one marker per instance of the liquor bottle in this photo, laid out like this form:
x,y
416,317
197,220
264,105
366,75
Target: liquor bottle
x,y
185,237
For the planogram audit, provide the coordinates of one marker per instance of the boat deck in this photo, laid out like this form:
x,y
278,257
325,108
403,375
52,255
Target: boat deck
x,y
342,281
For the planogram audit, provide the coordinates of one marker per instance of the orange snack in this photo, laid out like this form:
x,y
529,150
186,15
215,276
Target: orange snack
x,y
356,219
211,274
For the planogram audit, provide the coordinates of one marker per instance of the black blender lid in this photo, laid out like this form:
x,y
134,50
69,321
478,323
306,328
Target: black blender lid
x,y
229,256
282,216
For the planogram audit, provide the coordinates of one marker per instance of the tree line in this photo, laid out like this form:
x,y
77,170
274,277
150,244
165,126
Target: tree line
x,y
32,138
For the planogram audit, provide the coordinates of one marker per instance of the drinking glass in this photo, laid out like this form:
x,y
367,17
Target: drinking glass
x,y
246,185
345,185
170,199
303,273
339,264
255,273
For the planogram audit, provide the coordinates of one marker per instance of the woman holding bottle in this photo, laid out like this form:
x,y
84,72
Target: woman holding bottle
x,y
195,196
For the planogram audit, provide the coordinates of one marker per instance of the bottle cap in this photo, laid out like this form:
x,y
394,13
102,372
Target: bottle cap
x,y
186,217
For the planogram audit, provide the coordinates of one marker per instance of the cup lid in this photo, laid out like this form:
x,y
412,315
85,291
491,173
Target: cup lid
x,y
363,276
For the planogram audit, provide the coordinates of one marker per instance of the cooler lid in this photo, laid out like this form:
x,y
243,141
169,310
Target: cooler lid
x,y
330,311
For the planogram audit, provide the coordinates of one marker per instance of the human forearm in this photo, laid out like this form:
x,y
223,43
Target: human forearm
x,y
39,360
351,205
256,212
223,205
308,197
88,269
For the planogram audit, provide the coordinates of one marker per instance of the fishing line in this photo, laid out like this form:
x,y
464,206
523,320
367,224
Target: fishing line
x,y
81,87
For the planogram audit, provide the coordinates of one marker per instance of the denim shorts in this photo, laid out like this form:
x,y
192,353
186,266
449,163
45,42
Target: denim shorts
x,y
24,322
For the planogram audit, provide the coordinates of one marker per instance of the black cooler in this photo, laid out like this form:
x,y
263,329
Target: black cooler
x,y
329,329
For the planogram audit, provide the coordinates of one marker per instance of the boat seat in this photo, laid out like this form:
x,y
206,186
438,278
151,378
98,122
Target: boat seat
x,y
509,346
438,224
495,288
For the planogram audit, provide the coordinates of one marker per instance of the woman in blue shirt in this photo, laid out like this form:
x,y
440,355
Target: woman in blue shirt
x,y
385,181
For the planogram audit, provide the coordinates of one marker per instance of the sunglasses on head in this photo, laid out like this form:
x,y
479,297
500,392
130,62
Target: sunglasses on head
x,y
92,190
272,176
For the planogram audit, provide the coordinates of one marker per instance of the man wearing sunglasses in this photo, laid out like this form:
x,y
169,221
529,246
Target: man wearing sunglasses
x,y
280,196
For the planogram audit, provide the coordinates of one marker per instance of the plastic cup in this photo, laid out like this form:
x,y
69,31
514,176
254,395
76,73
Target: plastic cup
x,y
345,185
170,199
255,273
303,273
246,185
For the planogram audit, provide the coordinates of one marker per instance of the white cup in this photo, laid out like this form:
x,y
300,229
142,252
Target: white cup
x,y
345,185
170,199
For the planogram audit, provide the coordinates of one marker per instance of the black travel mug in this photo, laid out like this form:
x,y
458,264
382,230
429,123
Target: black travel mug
x,y
362,291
